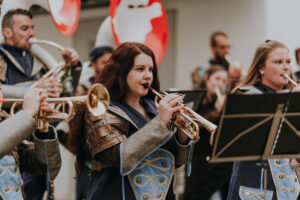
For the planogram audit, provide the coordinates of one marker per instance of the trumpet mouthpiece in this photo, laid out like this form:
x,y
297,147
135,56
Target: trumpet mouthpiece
x,y
32,40
146,85
286,76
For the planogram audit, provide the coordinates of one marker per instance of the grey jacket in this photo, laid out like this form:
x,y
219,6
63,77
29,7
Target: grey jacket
x,y
35,155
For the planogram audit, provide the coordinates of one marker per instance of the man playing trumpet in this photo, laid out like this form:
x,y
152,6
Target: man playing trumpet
x,y
220,47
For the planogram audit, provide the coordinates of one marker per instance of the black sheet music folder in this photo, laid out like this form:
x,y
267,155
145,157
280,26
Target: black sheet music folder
x,y
258,127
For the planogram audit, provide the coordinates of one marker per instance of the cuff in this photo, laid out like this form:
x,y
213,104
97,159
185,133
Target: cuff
x,y
47,151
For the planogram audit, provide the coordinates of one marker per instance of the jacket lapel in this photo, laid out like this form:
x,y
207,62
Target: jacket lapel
x,y
13,60
119,112
37,66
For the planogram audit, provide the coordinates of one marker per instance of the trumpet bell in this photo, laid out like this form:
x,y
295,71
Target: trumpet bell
x,y
98,99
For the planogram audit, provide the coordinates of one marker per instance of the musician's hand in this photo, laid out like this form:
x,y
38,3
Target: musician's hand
x,y
70,56
296,89
219,103
47,110
181,137
33,99
168,105
51,85
234,74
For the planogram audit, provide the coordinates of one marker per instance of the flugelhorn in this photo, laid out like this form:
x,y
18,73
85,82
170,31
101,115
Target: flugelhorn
x,y
191,128
97,102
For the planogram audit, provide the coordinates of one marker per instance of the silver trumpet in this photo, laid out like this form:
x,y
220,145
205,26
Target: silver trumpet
x,y
191,127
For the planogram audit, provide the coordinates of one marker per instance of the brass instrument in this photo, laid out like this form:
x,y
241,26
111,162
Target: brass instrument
x,y
56,72
97,102
218,92
191,128
290,79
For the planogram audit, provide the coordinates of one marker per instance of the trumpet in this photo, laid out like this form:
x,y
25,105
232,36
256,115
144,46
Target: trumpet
x,y
191,128
97,102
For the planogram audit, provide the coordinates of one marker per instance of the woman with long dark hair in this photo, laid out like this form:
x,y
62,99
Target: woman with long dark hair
x,y
133,152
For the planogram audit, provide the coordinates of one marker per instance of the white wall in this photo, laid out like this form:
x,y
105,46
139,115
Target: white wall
x,y
283,23
243,20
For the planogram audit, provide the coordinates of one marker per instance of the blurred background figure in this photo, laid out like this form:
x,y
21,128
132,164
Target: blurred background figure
x,y
297,56
197,76
207,179
220,46
98,58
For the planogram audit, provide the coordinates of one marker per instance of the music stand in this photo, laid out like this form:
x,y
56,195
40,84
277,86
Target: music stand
x,y
258,127
193,98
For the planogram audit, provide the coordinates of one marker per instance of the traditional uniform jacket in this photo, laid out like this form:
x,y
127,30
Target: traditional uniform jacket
x,y
17,65
132,158
247,177
18,155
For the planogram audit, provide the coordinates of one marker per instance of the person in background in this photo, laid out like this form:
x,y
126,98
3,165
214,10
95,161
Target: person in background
x,y
270,62
297,56
98,58
220,46
18,155
207,179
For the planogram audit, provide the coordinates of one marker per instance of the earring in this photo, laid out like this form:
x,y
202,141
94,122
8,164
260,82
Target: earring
x,y
262,72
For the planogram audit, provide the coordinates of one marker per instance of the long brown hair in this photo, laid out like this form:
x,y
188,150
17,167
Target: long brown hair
x,y
259,60
113,78
118,66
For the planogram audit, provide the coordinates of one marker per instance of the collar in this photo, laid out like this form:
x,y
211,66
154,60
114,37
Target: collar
x,y
136,117
263,88
14,49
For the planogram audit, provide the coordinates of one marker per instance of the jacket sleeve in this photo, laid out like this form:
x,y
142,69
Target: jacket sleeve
x,y
43,152
126,153
11,91
14,130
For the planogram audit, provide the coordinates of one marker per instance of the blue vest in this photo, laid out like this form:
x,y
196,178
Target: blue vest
x,y
151,179
285,180
10,179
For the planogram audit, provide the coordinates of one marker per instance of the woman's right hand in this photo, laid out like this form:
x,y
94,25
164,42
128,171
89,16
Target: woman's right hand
x,y
33,99
219,103
168,105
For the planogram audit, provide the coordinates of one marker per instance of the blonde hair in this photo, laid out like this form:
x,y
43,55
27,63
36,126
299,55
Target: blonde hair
x,y
259,60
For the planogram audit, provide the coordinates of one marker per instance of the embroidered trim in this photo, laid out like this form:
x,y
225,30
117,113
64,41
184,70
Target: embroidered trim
x,y
6,168
147,195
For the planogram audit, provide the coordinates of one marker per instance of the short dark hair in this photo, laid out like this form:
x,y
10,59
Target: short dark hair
x,y
118,66
297,51
213,36
98,52
7,21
